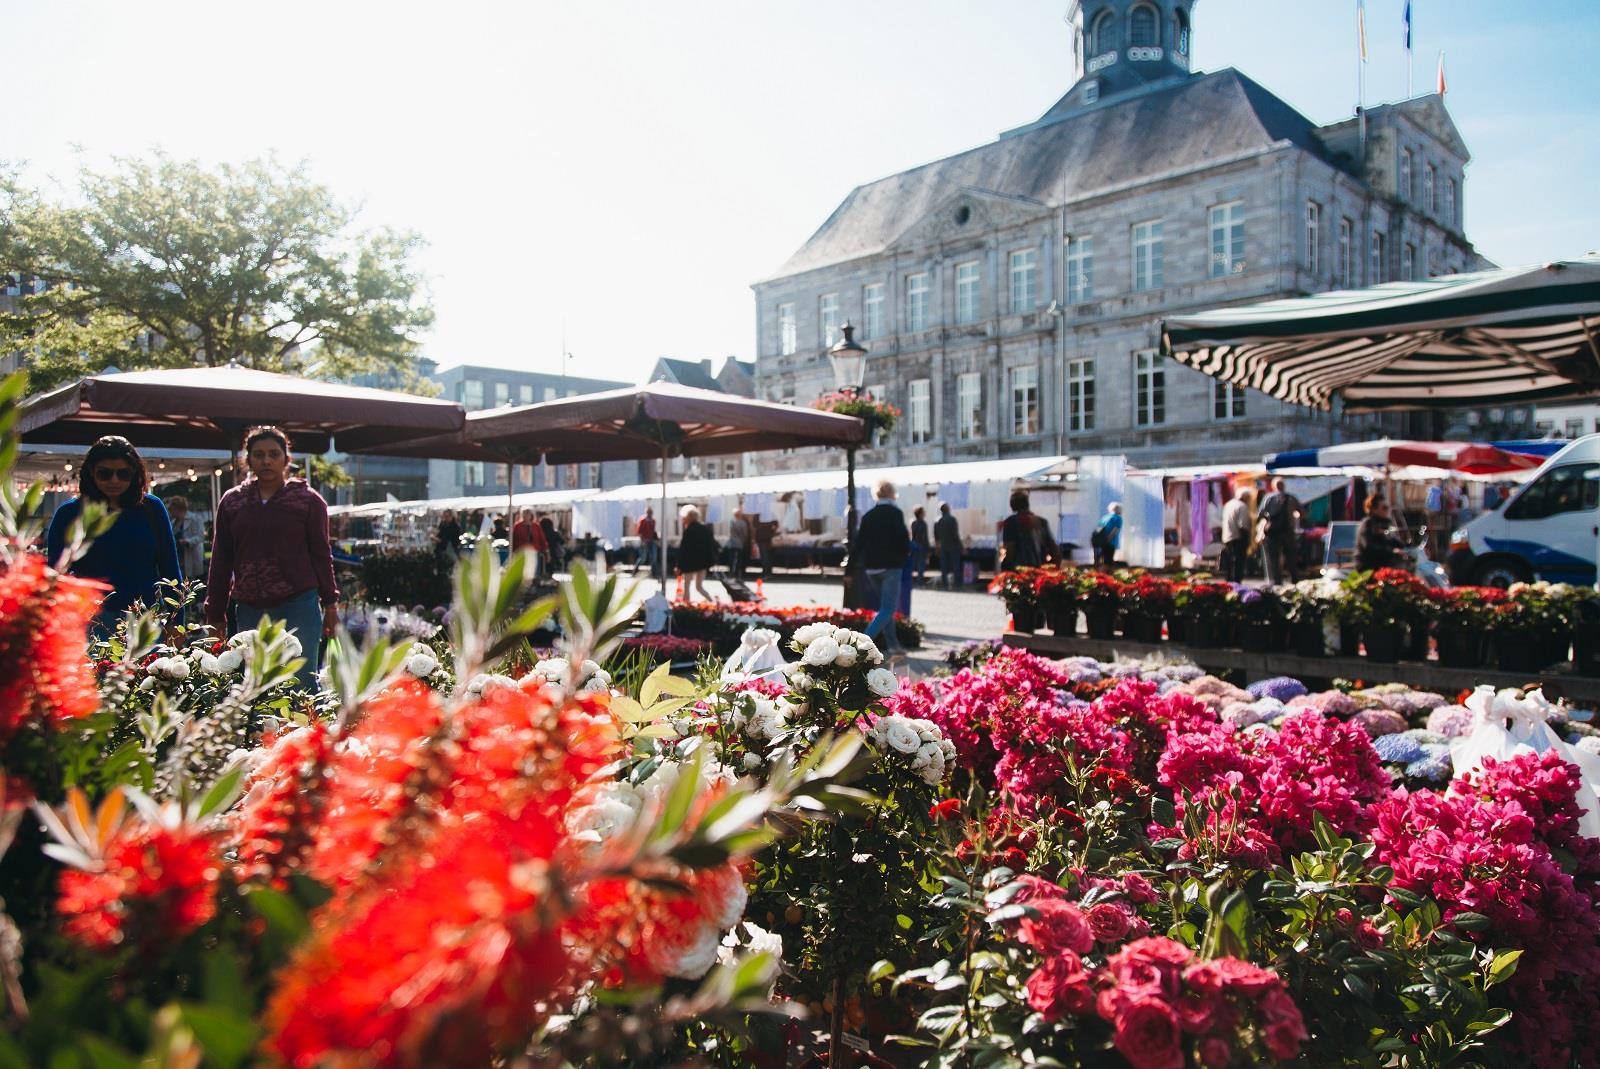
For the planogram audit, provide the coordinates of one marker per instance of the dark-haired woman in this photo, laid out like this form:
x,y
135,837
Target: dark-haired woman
x,y
270,552
138,551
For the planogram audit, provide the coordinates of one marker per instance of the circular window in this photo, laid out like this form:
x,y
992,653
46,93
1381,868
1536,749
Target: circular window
x,y
963,213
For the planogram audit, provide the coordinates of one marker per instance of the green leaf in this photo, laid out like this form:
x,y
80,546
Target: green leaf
x,y
880,970
1470,922
222,794
1502,966
1357,986
228,1037
102,1054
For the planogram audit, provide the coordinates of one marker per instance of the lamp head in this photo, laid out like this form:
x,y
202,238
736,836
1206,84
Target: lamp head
x,y
849,359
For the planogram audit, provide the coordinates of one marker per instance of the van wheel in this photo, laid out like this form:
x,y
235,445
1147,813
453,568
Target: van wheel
x,y
1501,572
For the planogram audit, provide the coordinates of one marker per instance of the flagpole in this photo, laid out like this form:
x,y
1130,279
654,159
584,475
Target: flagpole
x,y
1409,51
1361,74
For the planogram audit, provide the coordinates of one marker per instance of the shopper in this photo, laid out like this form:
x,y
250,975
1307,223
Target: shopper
x,y
919,543
1235,538
190,534
882,546
271,553
448,536
1377,544
738,544
697,552
554,541
1025,540
1107,536
649,540
138,551
947,536
528,535
1279,529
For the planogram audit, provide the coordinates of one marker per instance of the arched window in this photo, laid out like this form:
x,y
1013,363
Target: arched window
x,y
1103,37
1142,27
1180,36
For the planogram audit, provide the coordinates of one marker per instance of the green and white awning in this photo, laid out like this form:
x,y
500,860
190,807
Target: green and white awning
x,y
1502,337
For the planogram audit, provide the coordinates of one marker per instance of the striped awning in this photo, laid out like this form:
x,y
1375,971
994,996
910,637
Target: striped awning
x,y
1506,336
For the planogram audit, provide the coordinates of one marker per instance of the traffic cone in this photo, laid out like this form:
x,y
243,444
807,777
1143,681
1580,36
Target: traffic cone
x,y
679,595
761,588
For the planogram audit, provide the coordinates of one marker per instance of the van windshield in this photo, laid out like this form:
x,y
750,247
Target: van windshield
x,y
1569,488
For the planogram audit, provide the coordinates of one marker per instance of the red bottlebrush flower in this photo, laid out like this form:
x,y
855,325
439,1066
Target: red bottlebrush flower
x,y
46,677
156,882
949,809
273,828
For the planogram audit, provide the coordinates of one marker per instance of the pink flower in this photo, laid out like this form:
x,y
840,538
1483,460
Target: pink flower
x,y
1109,921
1059,926
1285,1029
1060,987
1215,1052
1148,1035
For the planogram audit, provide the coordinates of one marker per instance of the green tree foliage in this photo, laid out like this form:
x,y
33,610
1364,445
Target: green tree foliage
x,y
166,263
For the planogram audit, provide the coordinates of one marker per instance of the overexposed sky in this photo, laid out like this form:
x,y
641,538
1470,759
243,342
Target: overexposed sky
x,y
616,174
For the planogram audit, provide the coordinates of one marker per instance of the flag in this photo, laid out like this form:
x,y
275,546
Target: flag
x,y
1441,72
1408,25
1361,27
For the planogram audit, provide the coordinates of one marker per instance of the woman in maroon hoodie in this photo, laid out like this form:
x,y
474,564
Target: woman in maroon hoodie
x,y
271,553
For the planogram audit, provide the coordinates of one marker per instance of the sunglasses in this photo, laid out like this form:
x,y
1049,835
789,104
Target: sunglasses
x,y
121,475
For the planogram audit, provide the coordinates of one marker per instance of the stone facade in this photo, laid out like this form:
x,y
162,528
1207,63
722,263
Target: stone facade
x,y
976,265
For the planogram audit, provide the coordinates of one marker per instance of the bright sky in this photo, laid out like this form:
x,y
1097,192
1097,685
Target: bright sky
x,y
617,174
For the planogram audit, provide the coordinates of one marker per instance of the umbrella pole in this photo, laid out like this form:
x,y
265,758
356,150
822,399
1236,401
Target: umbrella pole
x,y
661,528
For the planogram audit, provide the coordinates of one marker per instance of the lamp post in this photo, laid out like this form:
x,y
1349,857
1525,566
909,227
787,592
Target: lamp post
x,y
849,360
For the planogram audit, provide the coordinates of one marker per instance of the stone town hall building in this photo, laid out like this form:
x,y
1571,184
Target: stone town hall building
x,y
1011,296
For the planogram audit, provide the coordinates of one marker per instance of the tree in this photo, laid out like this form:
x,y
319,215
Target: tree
x,y
168,264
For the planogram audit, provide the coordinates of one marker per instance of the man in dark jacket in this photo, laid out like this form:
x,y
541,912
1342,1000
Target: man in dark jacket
x,y
880,551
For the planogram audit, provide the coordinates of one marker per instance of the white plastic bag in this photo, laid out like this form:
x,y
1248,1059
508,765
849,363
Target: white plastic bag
x,y
759,656
1508,723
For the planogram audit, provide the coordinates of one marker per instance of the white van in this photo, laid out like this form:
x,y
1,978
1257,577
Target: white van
x,y
1548,529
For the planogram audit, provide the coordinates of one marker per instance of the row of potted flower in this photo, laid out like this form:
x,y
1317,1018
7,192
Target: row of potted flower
x,y
1389,612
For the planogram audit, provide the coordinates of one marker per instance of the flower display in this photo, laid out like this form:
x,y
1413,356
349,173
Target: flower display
x,y
45,676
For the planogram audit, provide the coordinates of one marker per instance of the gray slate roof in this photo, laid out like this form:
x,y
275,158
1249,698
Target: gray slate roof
x,y
686,373
1124,139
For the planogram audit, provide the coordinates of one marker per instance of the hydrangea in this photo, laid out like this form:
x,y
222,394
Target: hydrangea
x,y
1451,721
1377,722
1433,766
1423,735
1399,749
1281,688
1326,703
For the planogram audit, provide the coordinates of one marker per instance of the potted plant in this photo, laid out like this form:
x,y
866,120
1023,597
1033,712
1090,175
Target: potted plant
x,y
1381,604
1308,607
1146,602
1261,619
1018,589
1464,616
1208,612
1056,594
1531,626
1101,596
1586,637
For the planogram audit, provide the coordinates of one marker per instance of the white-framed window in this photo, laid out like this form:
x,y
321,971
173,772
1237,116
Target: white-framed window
x,y
872,310
967,283
472,473
549,393
497,474
1313,236
1080,270
1408,191
1025,400
525,475
917,301
1227,400
1149,388
713,470
1430,189
502,394
877,391
969,405
828,318
472,394
1408,261
525,393
1378,268
1147,267
919,410
1450,202
1080,394
1142,24
1227,239
1347,267
1024,280
788,330
1574,428
594,475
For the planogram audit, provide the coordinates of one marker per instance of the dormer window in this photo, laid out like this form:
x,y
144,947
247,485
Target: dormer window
x,y
1142,28
1103,35
1180,37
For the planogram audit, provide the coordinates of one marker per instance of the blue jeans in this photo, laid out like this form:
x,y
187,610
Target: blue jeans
x,y
885,584
302,615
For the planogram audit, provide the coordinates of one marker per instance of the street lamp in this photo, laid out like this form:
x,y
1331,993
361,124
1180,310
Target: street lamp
x,y
849,360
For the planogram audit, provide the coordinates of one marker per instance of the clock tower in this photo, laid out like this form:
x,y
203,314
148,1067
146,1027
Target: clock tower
x,y
1122,45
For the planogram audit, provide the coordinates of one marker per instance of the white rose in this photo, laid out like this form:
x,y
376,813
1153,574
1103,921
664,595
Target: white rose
x,y
927,730
147,683
421,665
800,680
612,809
230,660
882,682
751,762
899,734
555,669
804,636
847,656
820,651
210,665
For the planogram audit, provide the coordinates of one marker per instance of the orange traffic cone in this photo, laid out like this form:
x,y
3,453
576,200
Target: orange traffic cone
x,y
761,588
679,595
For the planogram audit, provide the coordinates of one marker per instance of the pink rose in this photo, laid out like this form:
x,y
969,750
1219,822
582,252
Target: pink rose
x,y
1108,921
1285,1030
1231,974
1215,1052
1154,964
1138,889
1060,987
1147,1035
1059,926
1197,1013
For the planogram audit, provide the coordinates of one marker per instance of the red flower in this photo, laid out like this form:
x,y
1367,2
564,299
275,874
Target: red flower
x,y
155,883
1109,921
1285,1028
1148,1034
949,809
1059,926
1060,987
1215,1052
45,674
274,826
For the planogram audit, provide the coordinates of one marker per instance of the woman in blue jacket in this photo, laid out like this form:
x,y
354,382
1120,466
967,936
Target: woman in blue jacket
x,y
138,551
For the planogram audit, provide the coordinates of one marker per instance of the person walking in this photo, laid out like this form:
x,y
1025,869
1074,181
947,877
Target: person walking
x,y
1278,521
553,541
649,541
882,546
190,535
1235,538
271,555
697,552
947,536
1025,540
138,551
738,543
920,543
528,535
1107,537
501,537
1377,544
447,538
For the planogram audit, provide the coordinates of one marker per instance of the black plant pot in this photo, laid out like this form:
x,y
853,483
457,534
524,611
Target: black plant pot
x,y
1523,651
1102,623
1142,628
1461,648
1308,640
1586,650
1417,646
1384,642
1349,640
1063,621
1025,619
1260,637
1177,629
